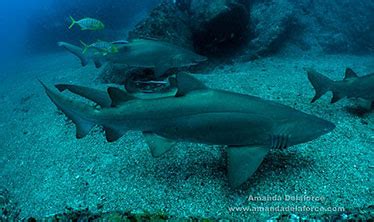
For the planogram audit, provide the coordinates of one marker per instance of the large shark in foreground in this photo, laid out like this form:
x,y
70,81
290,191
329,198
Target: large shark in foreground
x,y
352,86
248,125
144,53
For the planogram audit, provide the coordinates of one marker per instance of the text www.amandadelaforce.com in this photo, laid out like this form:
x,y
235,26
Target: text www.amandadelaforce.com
x,y
286,209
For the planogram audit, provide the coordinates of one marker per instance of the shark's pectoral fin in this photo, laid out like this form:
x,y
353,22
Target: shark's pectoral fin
x,y
336,97
365,104
160,69
158,144
118,96
243,162
98,96
112,135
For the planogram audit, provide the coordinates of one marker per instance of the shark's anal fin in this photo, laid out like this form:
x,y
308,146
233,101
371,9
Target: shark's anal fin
x,y
83,127
349,73
158,144
187,83
118,96
243,162
336,97
112,135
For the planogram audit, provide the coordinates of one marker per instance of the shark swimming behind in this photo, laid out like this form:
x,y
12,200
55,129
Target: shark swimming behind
x,y
247,125
144,53
352,86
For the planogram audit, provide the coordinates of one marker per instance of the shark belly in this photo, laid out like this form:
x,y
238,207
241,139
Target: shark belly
x,y
218,128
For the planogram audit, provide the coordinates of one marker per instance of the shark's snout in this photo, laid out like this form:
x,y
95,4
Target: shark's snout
x,y
320,127
329,126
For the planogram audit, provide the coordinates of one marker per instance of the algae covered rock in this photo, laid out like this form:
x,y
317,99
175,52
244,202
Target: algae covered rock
x,y
272,22
206,26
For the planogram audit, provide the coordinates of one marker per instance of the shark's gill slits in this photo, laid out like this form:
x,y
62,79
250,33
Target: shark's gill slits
x,y
279,141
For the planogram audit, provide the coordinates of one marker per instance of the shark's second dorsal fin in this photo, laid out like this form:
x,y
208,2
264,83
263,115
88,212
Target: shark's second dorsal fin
x,y
187,83
118,96
349,73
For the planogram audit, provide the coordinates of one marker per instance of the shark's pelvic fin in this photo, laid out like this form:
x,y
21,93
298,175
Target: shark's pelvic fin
x,y
119,96
98,96
158,144
349,73
187,83
243,162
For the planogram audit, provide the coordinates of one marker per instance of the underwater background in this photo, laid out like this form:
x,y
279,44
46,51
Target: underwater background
x,y
254,47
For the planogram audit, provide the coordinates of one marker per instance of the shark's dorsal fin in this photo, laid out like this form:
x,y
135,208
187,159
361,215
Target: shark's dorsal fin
x,y
349,73
187,83
118,96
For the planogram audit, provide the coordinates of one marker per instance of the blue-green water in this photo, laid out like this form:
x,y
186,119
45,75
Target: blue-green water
x,y
260,48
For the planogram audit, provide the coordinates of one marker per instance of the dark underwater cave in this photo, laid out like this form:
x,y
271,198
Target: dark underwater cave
x,y
224,34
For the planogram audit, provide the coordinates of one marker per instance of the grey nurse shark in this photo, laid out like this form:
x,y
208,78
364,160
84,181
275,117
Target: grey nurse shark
x,y
352,86
144,53
247,125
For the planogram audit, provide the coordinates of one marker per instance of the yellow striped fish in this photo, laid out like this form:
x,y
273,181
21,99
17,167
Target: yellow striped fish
x,y
87,24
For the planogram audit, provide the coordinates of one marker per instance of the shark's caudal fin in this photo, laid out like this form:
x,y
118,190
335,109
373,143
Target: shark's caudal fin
x,y
79,112
320,83
75,50
100,97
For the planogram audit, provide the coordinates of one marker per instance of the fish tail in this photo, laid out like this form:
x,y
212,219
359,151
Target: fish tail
x,y
79,112
320,83
85,47
72,22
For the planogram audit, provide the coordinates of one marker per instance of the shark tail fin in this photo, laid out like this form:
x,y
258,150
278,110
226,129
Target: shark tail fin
x,y
78,112
320,83
75,50
73,22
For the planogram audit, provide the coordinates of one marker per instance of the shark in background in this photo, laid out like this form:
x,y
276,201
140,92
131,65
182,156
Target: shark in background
x,y
247,125
144,53
352,86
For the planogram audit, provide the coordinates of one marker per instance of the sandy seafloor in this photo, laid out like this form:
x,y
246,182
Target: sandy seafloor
x,y
46,168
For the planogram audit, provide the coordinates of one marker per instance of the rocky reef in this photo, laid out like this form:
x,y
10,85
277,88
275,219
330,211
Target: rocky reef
x,y
264,26
244,30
